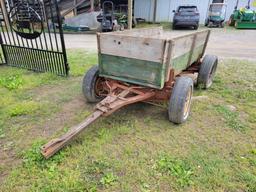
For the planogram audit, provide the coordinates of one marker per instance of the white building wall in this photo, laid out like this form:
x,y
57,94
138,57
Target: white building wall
x,y
144,8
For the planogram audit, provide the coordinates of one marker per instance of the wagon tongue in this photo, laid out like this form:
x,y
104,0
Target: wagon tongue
x,y
110,104
55,145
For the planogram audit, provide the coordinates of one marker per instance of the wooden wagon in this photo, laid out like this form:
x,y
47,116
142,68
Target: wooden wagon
x,y
144,65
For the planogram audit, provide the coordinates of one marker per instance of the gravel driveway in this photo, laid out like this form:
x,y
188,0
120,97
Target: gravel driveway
x,y
226,43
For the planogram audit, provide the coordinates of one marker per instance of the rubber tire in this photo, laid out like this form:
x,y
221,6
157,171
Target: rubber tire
x,y
178,99
207,71
196,27
206,23
231,21
89,82
174,27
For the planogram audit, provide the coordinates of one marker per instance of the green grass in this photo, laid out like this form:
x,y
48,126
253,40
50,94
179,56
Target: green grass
x,y
135,149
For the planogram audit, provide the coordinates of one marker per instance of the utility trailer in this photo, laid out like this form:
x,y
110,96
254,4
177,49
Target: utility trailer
x,y
144,65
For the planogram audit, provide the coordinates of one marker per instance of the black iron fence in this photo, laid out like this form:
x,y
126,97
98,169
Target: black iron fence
x,y
31,36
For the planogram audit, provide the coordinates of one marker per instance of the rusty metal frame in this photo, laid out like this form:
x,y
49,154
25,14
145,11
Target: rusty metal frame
x,y
119,95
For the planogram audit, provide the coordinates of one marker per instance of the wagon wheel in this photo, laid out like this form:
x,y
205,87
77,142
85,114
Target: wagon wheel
x,y
231,21
180,100
207,71
93,88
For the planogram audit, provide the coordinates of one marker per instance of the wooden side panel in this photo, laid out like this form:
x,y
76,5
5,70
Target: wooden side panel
x,y
139,72
147,49
201,39
181,63
182,46
187,50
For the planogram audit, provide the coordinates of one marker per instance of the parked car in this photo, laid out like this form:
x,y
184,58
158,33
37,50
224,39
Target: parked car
x,y
186,16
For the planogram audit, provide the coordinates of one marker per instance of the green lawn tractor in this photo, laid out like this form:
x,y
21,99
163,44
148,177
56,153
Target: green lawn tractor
x,y
243,18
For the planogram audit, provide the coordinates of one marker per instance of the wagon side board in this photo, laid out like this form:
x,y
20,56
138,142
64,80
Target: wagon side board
x,y
132,59
187,50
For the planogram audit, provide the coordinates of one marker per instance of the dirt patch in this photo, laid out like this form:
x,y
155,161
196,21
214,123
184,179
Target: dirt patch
x,y
8,159
67,114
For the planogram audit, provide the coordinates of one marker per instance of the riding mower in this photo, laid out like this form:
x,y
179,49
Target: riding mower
x,y
107,18
243,18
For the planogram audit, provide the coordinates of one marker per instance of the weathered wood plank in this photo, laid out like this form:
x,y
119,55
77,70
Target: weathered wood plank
x,y
183,44
133,47
140,72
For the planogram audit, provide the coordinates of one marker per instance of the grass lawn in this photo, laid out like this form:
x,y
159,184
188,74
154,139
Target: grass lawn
x,y
135,149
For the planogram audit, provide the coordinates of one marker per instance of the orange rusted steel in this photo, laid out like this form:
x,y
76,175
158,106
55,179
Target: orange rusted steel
x,y
120,96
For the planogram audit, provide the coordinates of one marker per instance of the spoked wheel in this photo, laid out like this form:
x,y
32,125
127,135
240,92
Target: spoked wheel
x,y
180,100
93,86
207,71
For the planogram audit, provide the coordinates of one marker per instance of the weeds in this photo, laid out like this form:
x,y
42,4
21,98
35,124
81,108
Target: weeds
x,y
231,118
2,135
108,179
177,168
99,174
24,108
33,157
11,82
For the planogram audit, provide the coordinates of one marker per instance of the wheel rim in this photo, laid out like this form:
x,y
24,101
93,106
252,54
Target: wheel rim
x,y
187,103
211,75
99,87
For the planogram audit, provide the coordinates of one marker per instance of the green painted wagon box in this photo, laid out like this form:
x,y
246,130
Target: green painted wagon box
x,y
146,56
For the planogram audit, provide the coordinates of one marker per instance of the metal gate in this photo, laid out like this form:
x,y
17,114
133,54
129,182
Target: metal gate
x,y
31,36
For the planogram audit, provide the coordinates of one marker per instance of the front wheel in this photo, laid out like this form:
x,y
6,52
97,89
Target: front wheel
x,y
180,100
92,85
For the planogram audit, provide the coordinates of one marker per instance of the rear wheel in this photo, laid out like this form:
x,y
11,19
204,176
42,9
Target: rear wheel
x,y
93,85
174,26
207,71
180,100
231,21
206,23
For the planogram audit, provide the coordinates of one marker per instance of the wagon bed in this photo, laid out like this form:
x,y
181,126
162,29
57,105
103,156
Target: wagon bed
x,y
145,56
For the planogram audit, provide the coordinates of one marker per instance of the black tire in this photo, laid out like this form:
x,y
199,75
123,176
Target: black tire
x,y
206,23
207,71
196,27
180,100
231,21
174,26
89,85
